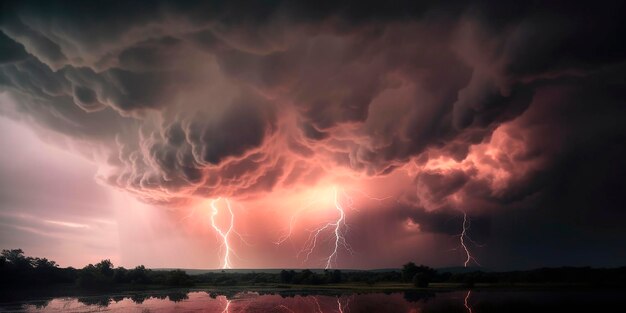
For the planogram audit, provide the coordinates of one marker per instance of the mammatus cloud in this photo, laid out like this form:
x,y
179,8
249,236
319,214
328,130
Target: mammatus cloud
x,y
480,104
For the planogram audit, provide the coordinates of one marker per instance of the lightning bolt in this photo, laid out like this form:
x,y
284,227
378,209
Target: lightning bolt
x,y
292,221
224,235
338,227
339,238
463,237
466,302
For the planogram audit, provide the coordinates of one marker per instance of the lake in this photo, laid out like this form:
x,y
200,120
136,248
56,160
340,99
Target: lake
x,y
477,301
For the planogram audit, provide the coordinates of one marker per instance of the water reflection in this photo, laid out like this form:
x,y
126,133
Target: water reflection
x,y
466,303
202,301
304,302
227,308
137,298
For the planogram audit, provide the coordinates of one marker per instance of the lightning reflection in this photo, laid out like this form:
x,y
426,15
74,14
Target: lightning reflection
x,y
468,307
339,306
227,307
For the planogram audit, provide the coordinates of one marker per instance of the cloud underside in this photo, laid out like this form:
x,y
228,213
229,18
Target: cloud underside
x,y
486,107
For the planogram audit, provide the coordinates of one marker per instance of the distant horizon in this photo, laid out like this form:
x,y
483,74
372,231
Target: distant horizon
x,y
458,268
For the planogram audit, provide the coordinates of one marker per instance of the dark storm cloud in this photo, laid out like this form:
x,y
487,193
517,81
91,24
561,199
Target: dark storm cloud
x,y
445,221
577,129
11,50
213,99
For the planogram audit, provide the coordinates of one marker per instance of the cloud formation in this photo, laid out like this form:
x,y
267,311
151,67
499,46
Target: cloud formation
x,y
481,104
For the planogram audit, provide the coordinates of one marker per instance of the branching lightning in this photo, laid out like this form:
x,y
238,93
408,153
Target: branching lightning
x,y
338,227
464,238
224,235
293,218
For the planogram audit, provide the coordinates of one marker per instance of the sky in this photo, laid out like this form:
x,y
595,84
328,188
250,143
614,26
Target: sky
x,y
324,135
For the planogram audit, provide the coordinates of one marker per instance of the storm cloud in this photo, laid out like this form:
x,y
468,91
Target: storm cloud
x,y
488,107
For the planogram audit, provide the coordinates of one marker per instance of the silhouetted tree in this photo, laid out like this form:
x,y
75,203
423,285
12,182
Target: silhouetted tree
x,y
43,263
15,259
178,278
332,277
421,280
286,277
121,275
305,277
139,275
410,271
105,267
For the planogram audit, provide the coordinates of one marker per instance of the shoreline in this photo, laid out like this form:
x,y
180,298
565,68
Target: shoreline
x,y
124,291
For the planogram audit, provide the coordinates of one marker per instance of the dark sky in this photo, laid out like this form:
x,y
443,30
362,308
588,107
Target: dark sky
x,y
142,131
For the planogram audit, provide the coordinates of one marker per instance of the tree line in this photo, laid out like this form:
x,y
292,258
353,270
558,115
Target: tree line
x,y
16,269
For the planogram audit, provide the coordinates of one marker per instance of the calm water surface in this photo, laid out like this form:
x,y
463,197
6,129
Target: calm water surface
x,y
411,302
